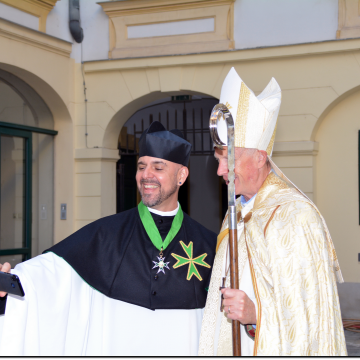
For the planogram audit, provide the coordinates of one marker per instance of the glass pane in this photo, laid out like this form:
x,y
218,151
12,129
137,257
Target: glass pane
x,y
13,108
12,194
21,105
12,259
42,193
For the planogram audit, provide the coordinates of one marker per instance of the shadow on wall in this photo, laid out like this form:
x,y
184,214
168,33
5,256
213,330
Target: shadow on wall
x,y
349,295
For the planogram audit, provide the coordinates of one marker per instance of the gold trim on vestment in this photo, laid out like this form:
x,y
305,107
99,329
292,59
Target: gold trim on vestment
x,y
221,237
271,185
257,297
271,217
223,233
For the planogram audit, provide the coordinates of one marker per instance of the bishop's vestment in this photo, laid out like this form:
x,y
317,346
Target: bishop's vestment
x,y
287,246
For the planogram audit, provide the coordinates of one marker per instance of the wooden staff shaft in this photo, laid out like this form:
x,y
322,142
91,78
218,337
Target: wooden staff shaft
x,y
219,112
234,284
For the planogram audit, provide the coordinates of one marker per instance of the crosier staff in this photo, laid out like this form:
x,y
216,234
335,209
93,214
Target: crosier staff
x,y
220,111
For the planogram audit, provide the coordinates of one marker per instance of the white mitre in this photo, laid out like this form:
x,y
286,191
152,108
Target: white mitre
x,y
255,117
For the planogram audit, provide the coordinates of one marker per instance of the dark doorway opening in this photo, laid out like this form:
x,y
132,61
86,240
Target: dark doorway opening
x,y
203,189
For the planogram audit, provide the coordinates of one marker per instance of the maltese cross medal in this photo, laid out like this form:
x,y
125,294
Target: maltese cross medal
x,y
161,264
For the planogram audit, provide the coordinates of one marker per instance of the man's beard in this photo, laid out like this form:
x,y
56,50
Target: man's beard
x,y
150,200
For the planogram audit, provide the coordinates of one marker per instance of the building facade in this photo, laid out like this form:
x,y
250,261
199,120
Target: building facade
x,y
68,110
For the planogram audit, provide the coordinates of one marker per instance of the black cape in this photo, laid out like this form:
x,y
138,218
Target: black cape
x,y
115,256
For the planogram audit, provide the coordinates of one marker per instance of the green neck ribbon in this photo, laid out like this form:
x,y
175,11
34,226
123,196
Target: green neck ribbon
x,y
153,231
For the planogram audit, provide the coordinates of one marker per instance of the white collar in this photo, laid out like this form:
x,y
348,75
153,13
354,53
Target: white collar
x,y
165,213
244,202
248,206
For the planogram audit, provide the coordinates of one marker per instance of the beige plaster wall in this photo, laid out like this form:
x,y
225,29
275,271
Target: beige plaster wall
x,y
337,181
95,184
319,83
43,62
313,77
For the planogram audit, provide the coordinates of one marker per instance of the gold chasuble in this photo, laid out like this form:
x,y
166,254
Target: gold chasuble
x,y
294,269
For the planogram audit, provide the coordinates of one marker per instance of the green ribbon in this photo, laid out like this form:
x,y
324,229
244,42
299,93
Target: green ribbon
x,y
153,231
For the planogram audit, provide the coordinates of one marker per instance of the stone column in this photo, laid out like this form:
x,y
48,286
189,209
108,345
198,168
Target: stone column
x,y
95,184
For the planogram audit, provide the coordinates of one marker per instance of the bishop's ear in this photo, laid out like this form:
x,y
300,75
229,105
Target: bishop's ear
x,y
182,175
261,158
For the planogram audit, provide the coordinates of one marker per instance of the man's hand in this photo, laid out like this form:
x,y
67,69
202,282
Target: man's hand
x,y
4,268
240,306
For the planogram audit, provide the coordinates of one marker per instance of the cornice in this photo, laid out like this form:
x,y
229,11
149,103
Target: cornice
x,y
295,148
34,38
133,7
92,154
307,49
44,4
38,8
31,6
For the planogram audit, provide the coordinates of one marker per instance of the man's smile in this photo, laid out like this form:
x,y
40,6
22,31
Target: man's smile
x,y
150,186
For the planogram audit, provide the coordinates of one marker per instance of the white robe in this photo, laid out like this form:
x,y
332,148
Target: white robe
x,y
62,315
247,344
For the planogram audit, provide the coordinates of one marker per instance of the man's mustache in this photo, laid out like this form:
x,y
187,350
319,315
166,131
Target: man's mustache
x,y
145,181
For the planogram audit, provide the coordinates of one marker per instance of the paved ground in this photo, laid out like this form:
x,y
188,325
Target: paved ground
x,y
352,343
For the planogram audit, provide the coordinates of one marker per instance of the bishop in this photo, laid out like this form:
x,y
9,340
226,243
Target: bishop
x,y
288,303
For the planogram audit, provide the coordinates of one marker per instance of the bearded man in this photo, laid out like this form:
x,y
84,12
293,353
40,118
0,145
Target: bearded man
x,y
134,283
288,302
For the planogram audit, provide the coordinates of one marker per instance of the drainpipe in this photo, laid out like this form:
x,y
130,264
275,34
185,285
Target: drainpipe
x,y
74,21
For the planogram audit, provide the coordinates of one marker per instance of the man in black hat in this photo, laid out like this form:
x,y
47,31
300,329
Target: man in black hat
x,y
133,283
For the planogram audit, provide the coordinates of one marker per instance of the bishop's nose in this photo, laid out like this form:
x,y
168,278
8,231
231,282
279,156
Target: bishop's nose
x,y
222,168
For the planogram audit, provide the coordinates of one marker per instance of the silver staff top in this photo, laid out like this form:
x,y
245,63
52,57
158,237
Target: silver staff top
x,y
221,113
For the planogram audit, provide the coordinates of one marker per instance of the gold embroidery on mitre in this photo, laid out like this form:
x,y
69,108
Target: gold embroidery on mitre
x,y
242,115
272,140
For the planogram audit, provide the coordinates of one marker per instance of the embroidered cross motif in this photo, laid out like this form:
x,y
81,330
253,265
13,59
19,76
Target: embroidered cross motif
x,y
192,270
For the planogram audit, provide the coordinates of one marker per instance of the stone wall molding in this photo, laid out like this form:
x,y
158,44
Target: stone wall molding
x,y
349,19
295,148
38,8
125,14
34,38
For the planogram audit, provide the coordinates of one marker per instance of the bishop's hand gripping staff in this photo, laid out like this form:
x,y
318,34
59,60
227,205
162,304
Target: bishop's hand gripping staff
x,y
220,112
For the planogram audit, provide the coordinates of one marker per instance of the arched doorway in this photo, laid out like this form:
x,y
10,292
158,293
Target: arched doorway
x,y
26,171
201,195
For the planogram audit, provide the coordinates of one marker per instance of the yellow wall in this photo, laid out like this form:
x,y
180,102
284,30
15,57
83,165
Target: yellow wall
x,y
318,116
337,181
313,78
44,63
348,19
